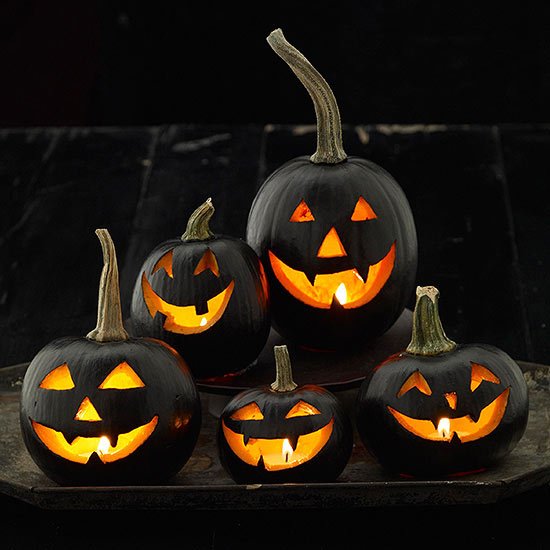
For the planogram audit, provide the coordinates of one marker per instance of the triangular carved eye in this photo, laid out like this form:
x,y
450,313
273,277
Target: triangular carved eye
x,y
58,379
208,261
122,377
362,211
165,263
248,412
302,213
415,380
481,373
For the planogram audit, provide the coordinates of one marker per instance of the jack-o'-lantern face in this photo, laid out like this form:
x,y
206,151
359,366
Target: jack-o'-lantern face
x,y
445,425
277,438
187,319
79,448
352,285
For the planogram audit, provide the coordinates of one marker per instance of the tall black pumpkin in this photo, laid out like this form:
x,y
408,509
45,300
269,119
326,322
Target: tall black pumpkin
x,y
335,233
108,409
206,295
440,407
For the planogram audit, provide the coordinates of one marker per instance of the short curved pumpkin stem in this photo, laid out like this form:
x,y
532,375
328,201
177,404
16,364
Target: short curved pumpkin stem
x,y
283,381
330,149
198,228
110,327
428,336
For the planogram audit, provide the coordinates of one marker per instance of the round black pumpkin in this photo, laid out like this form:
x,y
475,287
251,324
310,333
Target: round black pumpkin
x,y
439,407
108,409
207,296
335,233
284,433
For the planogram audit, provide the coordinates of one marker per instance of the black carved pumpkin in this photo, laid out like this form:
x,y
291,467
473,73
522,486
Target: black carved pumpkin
x,y
439,407
284,432
107,408
207,296
335,233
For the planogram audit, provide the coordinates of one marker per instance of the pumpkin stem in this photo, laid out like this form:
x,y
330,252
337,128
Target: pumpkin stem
x,y
283,381
428,336
109,326
329,129
197,226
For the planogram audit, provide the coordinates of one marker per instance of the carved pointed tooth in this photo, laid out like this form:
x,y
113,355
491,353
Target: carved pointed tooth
x,y
455,440
201,308
310,275
94,459
261,462
246,439
113,440
293,440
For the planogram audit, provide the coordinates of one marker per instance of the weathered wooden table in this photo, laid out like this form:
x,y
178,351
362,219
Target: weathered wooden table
x,y
479,198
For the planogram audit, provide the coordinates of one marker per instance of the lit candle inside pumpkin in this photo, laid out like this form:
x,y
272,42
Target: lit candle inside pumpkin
x,y
287,450
341,294
444,428
103,445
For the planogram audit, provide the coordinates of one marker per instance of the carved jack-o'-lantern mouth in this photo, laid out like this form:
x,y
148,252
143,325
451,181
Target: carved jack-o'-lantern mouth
x,y
347,287
185,319
463,428
276,453
81,448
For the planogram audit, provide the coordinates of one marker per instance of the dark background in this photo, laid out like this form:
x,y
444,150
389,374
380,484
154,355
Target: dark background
x,y
121,62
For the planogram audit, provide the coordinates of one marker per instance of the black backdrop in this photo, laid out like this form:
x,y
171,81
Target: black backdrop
x,y
121,62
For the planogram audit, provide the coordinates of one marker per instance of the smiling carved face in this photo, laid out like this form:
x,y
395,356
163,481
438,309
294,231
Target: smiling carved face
x,y
352,286
80,448
187,319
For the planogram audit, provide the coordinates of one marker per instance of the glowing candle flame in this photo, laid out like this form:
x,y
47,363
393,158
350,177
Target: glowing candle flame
x,y
287,450
203,322
341,294
444,428
103,445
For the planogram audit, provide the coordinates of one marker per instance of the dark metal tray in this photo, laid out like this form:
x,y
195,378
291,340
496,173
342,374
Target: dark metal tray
x,y
203,484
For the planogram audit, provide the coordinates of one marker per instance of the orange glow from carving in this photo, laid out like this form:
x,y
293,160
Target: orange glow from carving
x,y
332,246
302,213
480,373
464,427
87,412
122,377
363,211
275,452
451,398
208,261
321,293
248,412
415,380
184,319
58,379
82,448
302,409
165,263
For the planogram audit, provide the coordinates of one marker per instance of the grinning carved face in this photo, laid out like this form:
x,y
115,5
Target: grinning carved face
x,y
300,435
461,428
81,447
186,319
351,286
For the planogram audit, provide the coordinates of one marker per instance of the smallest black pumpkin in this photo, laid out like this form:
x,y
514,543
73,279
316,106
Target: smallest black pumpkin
x,y
440,407
284,432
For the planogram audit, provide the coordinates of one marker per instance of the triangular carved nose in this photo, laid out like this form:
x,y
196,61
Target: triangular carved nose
x,y
87,412
332,246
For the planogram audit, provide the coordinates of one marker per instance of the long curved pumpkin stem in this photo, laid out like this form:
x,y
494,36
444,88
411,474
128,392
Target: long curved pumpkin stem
x,y
428,336
110,327
198,225
330,149
283,381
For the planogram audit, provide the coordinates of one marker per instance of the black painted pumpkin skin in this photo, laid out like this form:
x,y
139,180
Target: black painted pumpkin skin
x,y
479,388
331,192
108,409
335,233
168,393
195,274
310,417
